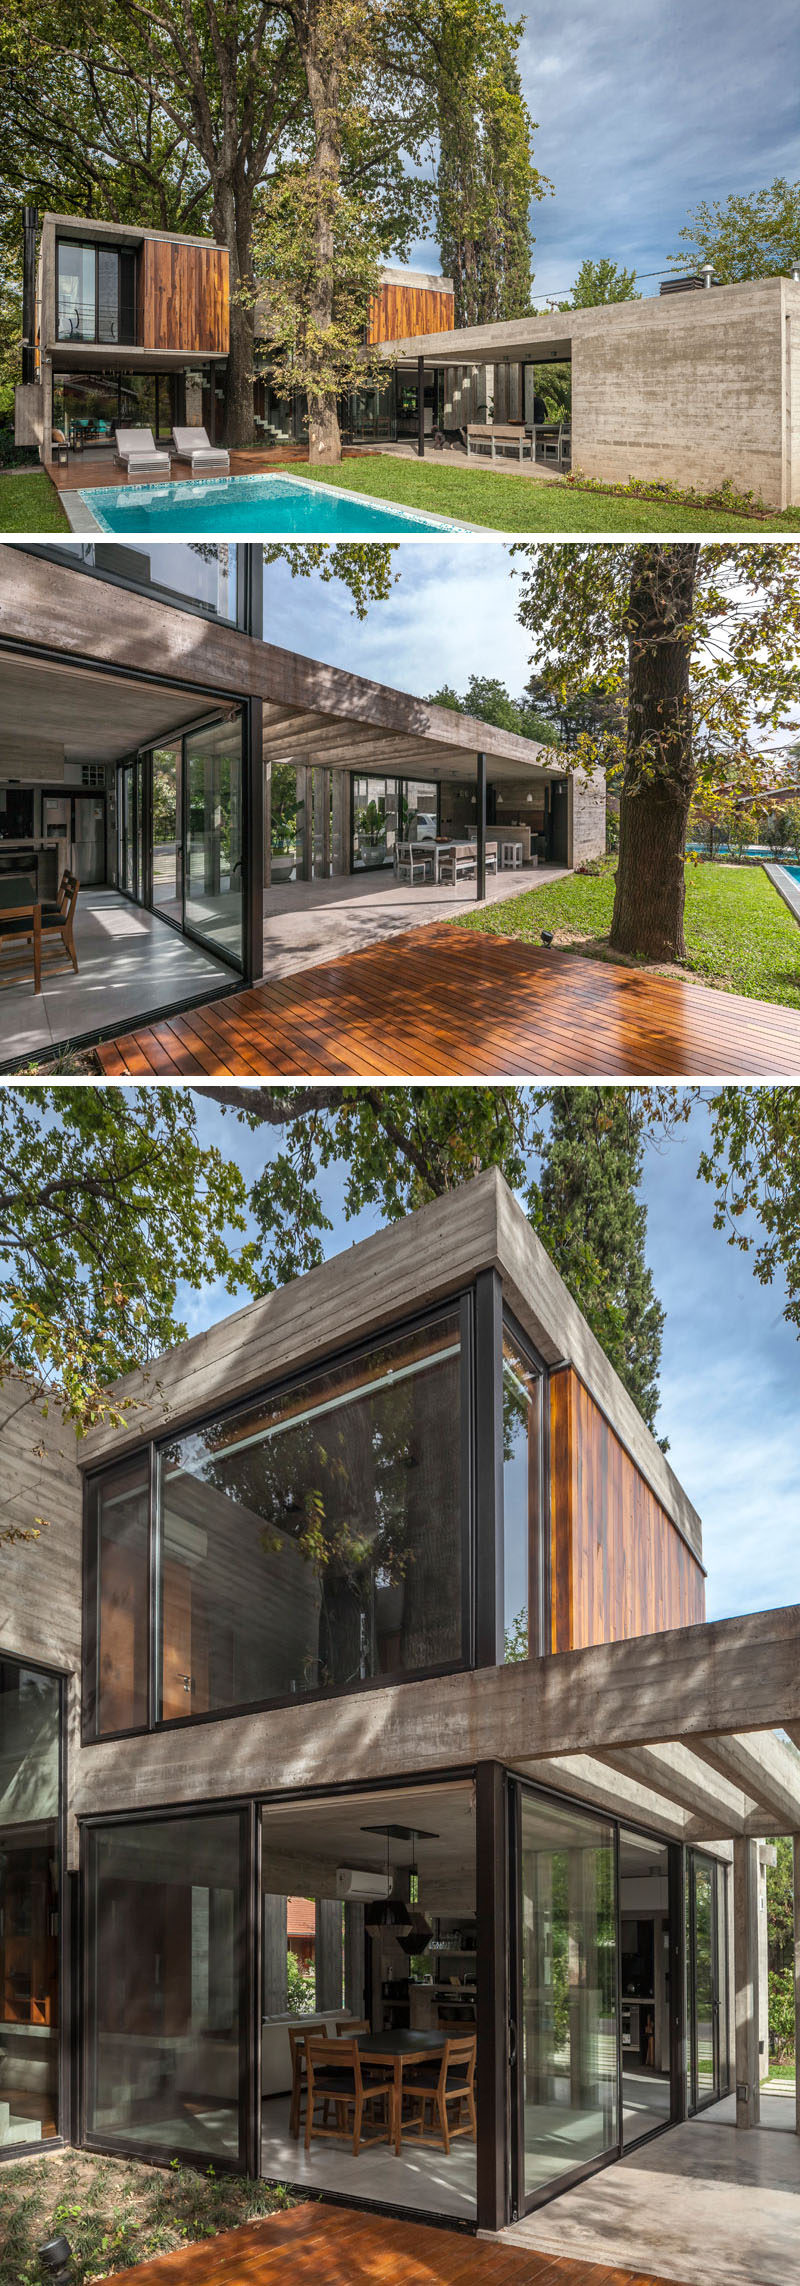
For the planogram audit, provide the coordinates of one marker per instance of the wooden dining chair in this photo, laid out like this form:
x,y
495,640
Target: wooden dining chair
x,y
350,2025
21,930
341,2082
298,2035
58,920
446,2083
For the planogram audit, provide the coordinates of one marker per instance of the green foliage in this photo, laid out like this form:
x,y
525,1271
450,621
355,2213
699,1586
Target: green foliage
x,y
601,282
365,567
516,1640
486,179
311,232
30,503
590,1219
508,503
301,1988
745,237
781,2013
488,700
106,1201
753,1164
117,2213
781,830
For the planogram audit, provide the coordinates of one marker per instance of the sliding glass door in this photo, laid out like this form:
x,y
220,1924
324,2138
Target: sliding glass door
x,y
213,895
706,1981
568,2101
167,837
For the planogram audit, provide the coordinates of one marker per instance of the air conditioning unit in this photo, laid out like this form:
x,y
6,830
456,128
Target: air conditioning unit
x,y
359,1888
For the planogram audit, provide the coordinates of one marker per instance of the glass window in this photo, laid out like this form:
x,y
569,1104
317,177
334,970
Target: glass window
x,y
315,1540
213,888
107,294
375,816
86,407
29,1904
117,1600
419,810
180,570
76,293
644,1984
167,830
286,824
569,1992
166,1968
521,1501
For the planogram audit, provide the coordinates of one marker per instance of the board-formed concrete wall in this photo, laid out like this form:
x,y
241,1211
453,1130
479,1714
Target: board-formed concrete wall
x,y
40,1579
588,803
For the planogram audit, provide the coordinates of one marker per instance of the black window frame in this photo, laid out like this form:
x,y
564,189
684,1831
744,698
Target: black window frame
x,y
539,1570
461,1300
127,282
67,1923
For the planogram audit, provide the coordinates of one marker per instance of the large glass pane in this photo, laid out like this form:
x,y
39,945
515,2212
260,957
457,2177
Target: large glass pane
x,y
521,1449
76,294
315,1539
644,1984
214,901
108,294
569,1992
285,823
165,2000
85,407
29,1905
167,830
115,1691
128,819
375,817
705,1982
418,812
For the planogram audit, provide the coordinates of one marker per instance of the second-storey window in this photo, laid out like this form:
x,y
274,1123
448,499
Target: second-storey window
x,y
315,1540
95,292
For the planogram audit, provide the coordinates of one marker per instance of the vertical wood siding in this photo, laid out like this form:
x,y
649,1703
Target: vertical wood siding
x,y
619,1566
183,297
397,311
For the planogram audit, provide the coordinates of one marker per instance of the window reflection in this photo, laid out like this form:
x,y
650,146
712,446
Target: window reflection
x,y
29,1904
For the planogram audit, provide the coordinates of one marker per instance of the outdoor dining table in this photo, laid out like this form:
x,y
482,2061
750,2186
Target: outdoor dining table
x,y
455,849
17,895
397,2049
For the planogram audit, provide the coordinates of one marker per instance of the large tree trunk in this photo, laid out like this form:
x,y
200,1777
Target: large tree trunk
x,y
233,223
660,772
324,435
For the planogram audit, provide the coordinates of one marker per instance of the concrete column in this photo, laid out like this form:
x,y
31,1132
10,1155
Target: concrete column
x,y
275,1949
745,1974
354,1959
328,1953
796,1870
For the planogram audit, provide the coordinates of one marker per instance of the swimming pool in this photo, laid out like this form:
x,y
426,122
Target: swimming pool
x,y
232,505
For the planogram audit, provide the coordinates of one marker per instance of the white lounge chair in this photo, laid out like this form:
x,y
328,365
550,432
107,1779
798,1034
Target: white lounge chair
x,y
193,445
138,452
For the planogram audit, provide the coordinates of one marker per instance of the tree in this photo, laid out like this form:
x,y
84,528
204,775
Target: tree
x,y
753,1165
216,93
317,265
106,1200
601,282
780,1950
486,179
592,1222
488,700
745,237
701,645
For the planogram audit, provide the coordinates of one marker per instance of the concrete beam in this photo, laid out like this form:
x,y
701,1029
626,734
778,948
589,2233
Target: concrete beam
x,y
675,1771
745,1973
586,1778
766,1767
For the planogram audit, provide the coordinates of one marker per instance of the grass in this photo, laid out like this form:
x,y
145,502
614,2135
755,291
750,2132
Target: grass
x,y
739,934
30,503
522,504
115,2212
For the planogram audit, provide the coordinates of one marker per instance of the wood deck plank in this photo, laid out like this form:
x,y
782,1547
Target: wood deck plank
x,y
440,1002
348,2247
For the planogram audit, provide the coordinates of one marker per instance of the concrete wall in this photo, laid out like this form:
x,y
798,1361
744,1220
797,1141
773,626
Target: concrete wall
x,y
587,816
40,1580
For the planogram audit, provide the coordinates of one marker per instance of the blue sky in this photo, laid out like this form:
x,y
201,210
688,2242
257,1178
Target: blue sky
x,y
452,613
730,1384
645,110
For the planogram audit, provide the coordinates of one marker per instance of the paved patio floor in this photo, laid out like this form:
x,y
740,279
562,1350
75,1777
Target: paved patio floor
x,y
306,922
130,965
704,2202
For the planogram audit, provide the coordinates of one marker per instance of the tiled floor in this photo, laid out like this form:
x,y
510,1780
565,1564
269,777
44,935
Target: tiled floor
x,y
310,921
705,2202
430,2180
129,965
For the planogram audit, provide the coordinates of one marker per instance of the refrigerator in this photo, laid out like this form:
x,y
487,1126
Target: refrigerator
x,y
89,840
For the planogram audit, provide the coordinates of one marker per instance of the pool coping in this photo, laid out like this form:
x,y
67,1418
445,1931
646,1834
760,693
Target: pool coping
x,y
82,517
788,889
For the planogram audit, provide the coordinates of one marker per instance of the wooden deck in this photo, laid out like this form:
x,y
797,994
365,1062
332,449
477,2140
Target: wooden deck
x,y
90,469
446,1003
335,2246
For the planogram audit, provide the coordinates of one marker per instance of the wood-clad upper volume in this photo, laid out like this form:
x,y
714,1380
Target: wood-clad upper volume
x,y
184,297
399,310
618,1564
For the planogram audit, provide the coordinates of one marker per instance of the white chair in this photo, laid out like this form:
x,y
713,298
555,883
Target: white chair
x,y
512,856
137,451
413,860
193,445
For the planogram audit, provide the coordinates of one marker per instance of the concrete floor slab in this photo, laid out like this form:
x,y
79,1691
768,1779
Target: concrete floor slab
x,y
433,2182
703,2202
306,922
130,964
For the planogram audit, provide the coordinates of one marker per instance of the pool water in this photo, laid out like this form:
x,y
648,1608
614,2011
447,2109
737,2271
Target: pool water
x,y
794,870
232,505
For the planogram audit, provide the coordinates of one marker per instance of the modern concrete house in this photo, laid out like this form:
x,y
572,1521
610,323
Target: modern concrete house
x,y
120,326
688,388
216,769
383,1595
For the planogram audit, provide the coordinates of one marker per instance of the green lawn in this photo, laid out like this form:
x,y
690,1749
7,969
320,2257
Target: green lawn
x,y
115,2212
30,503
739,934
521,504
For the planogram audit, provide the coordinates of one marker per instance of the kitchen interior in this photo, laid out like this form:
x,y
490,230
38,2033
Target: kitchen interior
x,y
533,815
392,1877
47,829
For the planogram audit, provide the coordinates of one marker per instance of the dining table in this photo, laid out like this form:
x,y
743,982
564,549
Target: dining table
x,y
18,896
394,2050
456,849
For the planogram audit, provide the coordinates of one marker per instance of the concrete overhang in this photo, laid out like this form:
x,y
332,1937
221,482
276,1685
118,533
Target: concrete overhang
x,y
552,335
104,356
87,230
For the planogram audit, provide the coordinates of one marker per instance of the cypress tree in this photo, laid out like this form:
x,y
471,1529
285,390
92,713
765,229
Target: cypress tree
x,y
593,1223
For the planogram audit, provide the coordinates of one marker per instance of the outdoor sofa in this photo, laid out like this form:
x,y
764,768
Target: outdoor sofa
x,y
193,445
137,451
